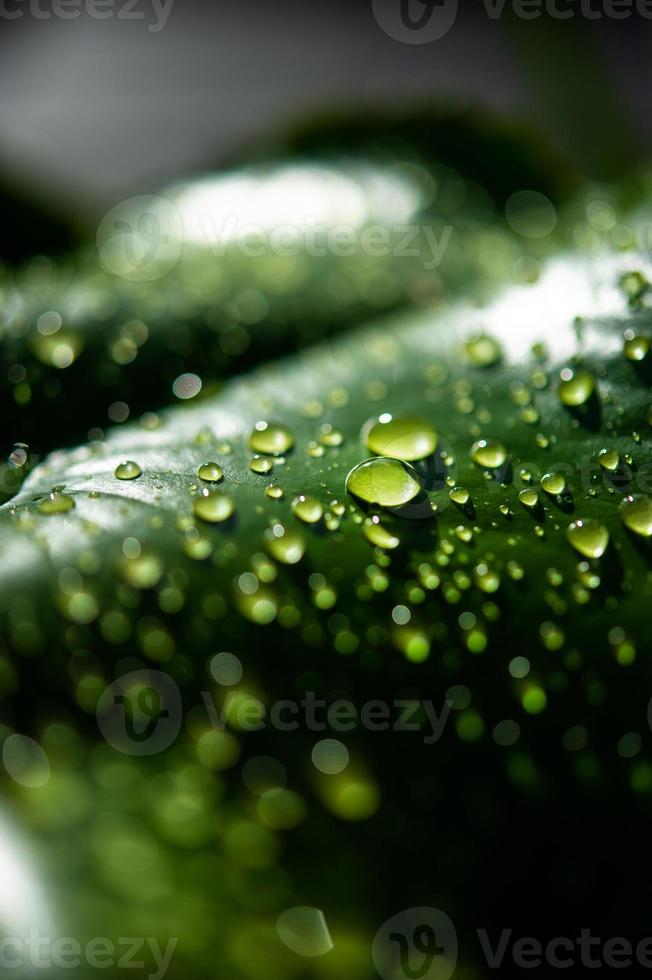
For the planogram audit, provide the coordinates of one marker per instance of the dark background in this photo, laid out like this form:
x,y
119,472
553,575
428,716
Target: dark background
x,y
94,110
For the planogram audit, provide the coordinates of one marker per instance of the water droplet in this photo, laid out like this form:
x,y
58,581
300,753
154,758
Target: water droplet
x,y
304,931
379,536
55,503
285,545
274,492
608,459
576,387
636,347
271,438
483,351
488,453
589,537
408,438
127,470
636,514
261,464
459,495
384,481
307,509
328,436
529,498
214,508
553,483
143,572
486,578
210,472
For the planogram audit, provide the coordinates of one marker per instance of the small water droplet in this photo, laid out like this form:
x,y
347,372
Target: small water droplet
x,y
127,470
459,495
55,503
307,509
609,459
636,347
488,453
213,508
554,484
576,387
529,498
274,492
483,351
379,536
285,545
210,472
261,464
271,439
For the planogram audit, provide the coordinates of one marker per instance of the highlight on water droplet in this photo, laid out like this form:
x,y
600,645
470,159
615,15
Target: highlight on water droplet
x,y
385,481
636,514
589,537
409,438
271,439
127,470
304,931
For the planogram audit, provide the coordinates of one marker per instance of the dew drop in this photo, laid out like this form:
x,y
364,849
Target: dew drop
x,y
483,351
576,387
529,498
636,347
379,536
271,438
609,459
384,481
127,470
589,537
285,545
261,464
55,503
636,514
488,453
554,484
408,438
274,492
213,508
459,495
210,472
307,509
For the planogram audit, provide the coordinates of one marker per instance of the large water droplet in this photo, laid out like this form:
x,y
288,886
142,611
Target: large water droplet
x,y
408,438
384,481
210,472
589,537
636,514
553,483
127,470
